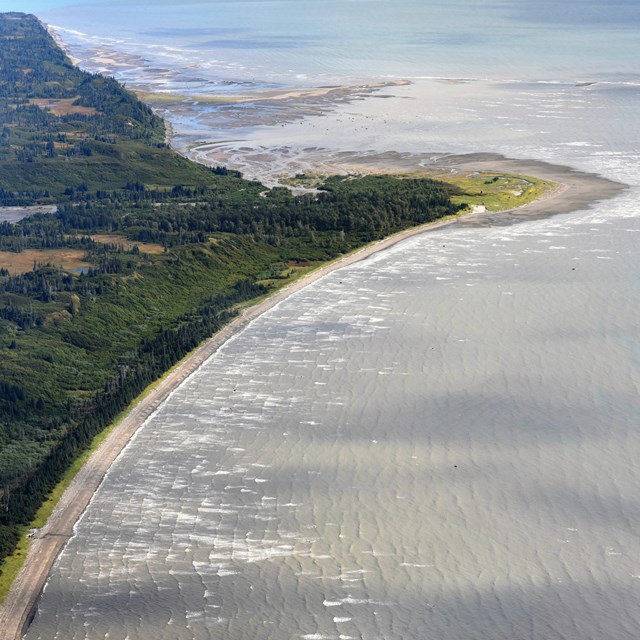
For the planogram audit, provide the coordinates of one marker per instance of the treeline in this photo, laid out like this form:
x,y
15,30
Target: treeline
x,y
78,347
23,493
61,127
384,206
369,207
32,66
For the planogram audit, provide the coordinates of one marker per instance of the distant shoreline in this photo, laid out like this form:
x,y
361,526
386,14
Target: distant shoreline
x,y
576,190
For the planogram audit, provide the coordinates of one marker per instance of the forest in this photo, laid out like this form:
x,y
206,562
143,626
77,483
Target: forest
x,y
169,251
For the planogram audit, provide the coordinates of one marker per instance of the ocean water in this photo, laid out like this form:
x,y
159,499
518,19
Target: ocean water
x,y
294,41
440,442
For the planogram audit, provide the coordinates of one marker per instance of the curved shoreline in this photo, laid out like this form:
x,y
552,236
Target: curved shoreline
x,y
576,190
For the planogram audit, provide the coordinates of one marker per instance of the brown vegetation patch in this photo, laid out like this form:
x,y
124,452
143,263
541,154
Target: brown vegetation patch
x,y
126,244
68,259
62,106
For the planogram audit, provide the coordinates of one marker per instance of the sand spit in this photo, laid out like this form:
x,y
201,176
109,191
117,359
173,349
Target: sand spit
x,y
577,190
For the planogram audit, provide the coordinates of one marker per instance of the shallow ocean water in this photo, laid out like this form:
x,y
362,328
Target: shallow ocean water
x,y
304,41
438,442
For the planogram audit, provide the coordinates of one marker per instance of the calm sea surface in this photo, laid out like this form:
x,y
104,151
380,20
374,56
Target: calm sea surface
x,y
290,41
440,442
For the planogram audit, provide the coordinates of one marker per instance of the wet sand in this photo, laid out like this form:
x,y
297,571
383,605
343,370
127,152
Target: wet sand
x,y
202,122
308,96
576,191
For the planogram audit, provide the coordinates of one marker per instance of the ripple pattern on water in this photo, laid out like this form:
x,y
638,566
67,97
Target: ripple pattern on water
x,y
440,441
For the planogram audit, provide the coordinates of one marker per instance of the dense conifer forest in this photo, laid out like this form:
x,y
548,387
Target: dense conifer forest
x,y
168,250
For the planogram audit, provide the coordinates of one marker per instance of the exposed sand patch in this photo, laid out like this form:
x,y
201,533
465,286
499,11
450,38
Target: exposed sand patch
x,y
304,94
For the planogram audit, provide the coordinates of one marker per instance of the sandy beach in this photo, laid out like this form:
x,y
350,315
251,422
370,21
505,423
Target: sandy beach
x,y
576,191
